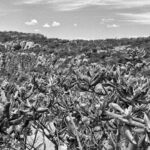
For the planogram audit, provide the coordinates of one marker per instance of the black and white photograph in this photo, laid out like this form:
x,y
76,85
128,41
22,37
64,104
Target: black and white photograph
x,y
74,74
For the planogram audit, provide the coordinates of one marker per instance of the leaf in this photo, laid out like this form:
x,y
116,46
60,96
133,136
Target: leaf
x,y
6,110
147,120
39,146
100,89
132,146
1,109
16,121
128,111
141,141
136,124
139,130
16,95
116,107
83,77
147,140
83,87
97,79
148,148
42,110
3,96
129,135
62,147
10,130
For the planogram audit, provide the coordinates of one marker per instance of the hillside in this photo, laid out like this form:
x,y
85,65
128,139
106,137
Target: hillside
x,y
66,48
75,95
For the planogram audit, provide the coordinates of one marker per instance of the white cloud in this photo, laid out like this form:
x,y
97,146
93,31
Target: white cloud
x,y
46,25
29,2
132,3
141,18
112,26
32,22
36,30
106,20
55,24
68,5
75,24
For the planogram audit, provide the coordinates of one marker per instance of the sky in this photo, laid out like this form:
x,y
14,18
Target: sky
x,y
77,19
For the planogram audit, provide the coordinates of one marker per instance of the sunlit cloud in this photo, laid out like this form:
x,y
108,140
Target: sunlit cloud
x,y
106,20
75,24
112,26
69,5
46,25
32,22
141,18
55,24
28,2
36,30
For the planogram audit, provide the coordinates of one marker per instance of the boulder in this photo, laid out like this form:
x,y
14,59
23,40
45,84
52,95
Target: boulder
x,y
29,45
23,44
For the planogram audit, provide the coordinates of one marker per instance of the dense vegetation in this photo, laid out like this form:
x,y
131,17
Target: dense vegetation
x,y
77,95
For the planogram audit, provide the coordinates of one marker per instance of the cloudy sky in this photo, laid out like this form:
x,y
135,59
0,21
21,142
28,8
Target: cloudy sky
x,y
72,19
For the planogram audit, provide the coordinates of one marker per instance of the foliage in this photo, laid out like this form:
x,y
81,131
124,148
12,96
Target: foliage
x,y
75,102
